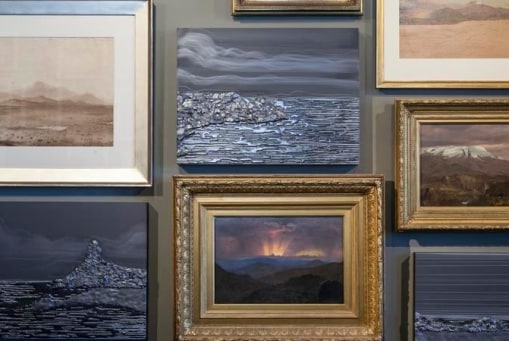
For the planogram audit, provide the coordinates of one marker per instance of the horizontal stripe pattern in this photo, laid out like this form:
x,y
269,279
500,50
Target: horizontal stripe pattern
x,y
462,284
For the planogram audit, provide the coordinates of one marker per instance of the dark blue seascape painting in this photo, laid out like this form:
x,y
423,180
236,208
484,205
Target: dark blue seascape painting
x,y
73,271
268,96
461,297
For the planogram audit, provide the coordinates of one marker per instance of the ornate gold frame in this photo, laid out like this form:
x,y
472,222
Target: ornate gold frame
x,y
410,114
357,199
344,7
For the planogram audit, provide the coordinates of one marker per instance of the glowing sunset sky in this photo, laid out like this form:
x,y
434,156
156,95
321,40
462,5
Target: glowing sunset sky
x,y
244,237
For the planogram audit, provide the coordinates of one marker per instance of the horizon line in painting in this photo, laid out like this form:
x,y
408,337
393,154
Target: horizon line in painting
x,y
453,28
56,91
74,271
278,260
268,96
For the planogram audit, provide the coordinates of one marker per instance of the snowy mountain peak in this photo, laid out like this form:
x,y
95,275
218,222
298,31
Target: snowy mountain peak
x,y
473,152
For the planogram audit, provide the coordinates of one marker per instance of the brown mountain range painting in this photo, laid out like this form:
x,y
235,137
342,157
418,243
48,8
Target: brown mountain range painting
x,y
454,28
464,165
278,260
56,92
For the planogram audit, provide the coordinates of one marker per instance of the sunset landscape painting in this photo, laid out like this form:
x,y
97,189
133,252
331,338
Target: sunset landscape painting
x,y
56,91
278,260
464,164
453,28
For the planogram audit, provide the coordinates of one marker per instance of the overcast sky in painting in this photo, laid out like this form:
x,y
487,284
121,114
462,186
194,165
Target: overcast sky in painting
x,y
244,237
44,241
494,137
81,65
450,3
317,62
456,285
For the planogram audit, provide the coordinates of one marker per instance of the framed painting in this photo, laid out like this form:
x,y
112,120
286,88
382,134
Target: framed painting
x,y
75,93
277,96
279,257
442,44
460,296
73,271
243,7
452,164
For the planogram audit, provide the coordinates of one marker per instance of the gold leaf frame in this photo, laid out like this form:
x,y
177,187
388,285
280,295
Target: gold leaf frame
x,y
330,7
357,199
410,114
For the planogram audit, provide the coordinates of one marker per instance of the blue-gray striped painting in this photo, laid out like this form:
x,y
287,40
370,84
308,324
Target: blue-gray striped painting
x,y
268,96
73,271
461,296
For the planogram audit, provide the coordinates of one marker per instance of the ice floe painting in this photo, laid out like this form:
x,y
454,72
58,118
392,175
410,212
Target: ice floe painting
x,y
461,296
73,271
268,96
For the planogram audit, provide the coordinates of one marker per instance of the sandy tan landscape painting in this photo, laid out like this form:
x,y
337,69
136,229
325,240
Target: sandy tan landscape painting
x,y
454,28
56,92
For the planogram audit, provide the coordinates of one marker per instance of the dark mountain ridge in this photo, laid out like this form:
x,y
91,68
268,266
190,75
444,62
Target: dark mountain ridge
x,y
449,15
463,181
45,94
329,271
318,284
236,265
436,165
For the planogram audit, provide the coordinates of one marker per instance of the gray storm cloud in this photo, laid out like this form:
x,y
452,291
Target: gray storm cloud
x,y
219,60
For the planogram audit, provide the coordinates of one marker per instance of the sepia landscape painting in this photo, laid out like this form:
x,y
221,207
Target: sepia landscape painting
x,y
268,96
464,164
278,260
454,28
461,297
73,271
56,91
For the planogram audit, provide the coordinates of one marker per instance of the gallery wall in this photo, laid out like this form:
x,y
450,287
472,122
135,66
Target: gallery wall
x,y
377,156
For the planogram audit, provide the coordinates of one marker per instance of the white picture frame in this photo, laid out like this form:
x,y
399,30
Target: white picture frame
x,y
442,55
124,156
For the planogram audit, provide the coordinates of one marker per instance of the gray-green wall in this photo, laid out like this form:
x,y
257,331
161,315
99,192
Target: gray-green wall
x,y
376,157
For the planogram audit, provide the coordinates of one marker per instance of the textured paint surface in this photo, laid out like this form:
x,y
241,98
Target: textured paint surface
x,y
461,296
73,271
268,96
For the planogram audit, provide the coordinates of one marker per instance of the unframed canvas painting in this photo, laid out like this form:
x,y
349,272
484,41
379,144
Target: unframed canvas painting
x,y
278,260
268,96
56,91
454,28
464,164
461,297
73,271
